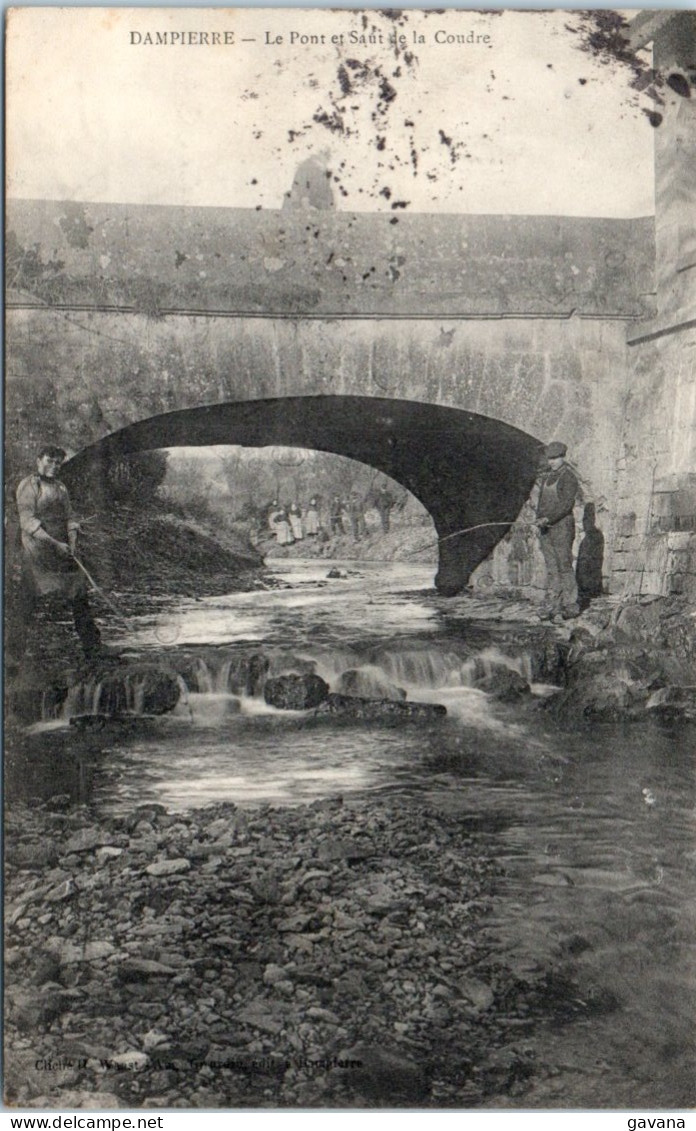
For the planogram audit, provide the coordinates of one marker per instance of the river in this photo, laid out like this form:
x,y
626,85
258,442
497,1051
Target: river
x,y
593,830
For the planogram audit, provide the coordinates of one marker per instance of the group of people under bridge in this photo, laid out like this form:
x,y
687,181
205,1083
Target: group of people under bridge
x,y
338,516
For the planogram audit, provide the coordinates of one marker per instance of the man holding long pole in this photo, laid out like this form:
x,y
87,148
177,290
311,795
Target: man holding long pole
x,y
557,494
49,538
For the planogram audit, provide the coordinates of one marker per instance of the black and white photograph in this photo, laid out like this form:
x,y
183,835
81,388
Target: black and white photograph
x,y
350,561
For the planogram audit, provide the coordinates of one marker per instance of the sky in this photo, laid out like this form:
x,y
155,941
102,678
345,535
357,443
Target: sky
x,y
522,121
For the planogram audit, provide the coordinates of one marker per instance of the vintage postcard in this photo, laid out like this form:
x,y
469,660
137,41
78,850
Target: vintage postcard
x,y
350,634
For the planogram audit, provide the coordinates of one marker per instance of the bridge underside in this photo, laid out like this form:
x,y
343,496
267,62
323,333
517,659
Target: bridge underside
x,y
466,469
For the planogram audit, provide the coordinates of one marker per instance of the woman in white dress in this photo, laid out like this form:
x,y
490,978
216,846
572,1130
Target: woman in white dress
x,y
282,528
312,519
295,517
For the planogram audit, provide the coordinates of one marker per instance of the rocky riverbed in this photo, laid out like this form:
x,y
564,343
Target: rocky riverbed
x,y
326,955
329,955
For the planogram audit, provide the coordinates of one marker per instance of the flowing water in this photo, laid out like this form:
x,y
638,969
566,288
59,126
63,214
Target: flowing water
x,y
594,831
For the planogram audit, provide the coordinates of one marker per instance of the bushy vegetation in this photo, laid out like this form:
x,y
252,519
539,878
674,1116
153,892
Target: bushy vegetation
x,y
239,485
136,478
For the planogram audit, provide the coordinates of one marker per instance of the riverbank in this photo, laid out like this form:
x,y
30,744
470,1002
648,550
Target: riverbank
x,y
157,551
139,560
409,538
324,955
629,661
467,931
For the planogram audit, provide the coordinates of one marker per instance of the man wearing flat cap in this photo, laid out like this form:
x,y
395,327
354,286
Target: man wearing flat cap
x,y
556,525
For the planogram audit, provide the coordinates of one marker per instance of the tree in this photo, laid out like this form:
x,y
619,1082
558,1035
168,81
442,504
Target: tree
x,y
134,478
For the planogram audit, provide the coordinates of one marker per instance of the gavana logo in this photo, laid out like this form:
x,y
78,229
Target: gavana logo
x,y
636,1124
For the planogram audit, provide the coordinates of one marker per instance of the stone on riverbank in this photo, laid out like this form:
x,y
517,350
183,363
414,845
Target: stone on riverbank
x,y
86,840
139,969
324,928
168,867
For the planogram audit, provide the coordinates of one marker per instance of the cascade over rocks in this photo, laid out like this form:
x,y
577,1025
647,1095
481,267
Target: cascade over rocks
x,y
253,672
367,686
143,689
504,683
307,691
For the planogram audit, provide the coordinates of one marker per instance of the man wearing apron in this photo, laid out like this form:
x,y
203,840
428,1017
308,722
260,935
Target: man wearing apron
x,y
49,537
557,494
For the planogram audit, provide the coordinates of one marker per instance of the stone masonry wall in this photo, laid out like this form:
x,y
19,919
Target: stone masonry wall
x,y
655,544
78,376
161,259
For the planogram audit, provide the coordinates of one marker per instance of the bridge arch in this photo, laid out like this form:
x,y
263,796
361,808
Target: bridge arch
x,y
465,468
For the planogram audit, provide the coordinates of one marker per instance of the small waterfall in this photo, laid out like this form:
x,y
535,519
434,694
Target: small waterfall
x,y
221,681
367,682
235,675
184,704
484,663
207,678
81,699
214,687
390,674
426,668
211,692
331,665
203,676
135,696
143,690
53,703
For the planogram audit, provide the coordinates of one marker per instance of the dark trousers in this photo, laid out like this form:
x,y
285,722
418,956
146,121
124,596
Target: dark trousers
x,y
24,605
384,516
337,524
557,548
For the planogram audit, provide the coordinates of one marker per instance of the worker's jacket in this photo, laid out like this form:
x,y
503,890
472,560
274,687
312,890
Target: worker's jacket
x,y
45,504
557,494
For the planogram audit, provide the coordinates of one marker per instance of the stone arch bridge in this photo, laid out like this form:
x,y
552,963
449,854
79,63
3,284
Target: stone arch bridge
x,y
443,350
467,470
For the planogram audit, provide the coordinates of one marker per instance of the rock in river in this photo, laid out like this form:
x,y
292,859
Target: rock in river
x,y
504,683
295,692
134,689
371,709
367,685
